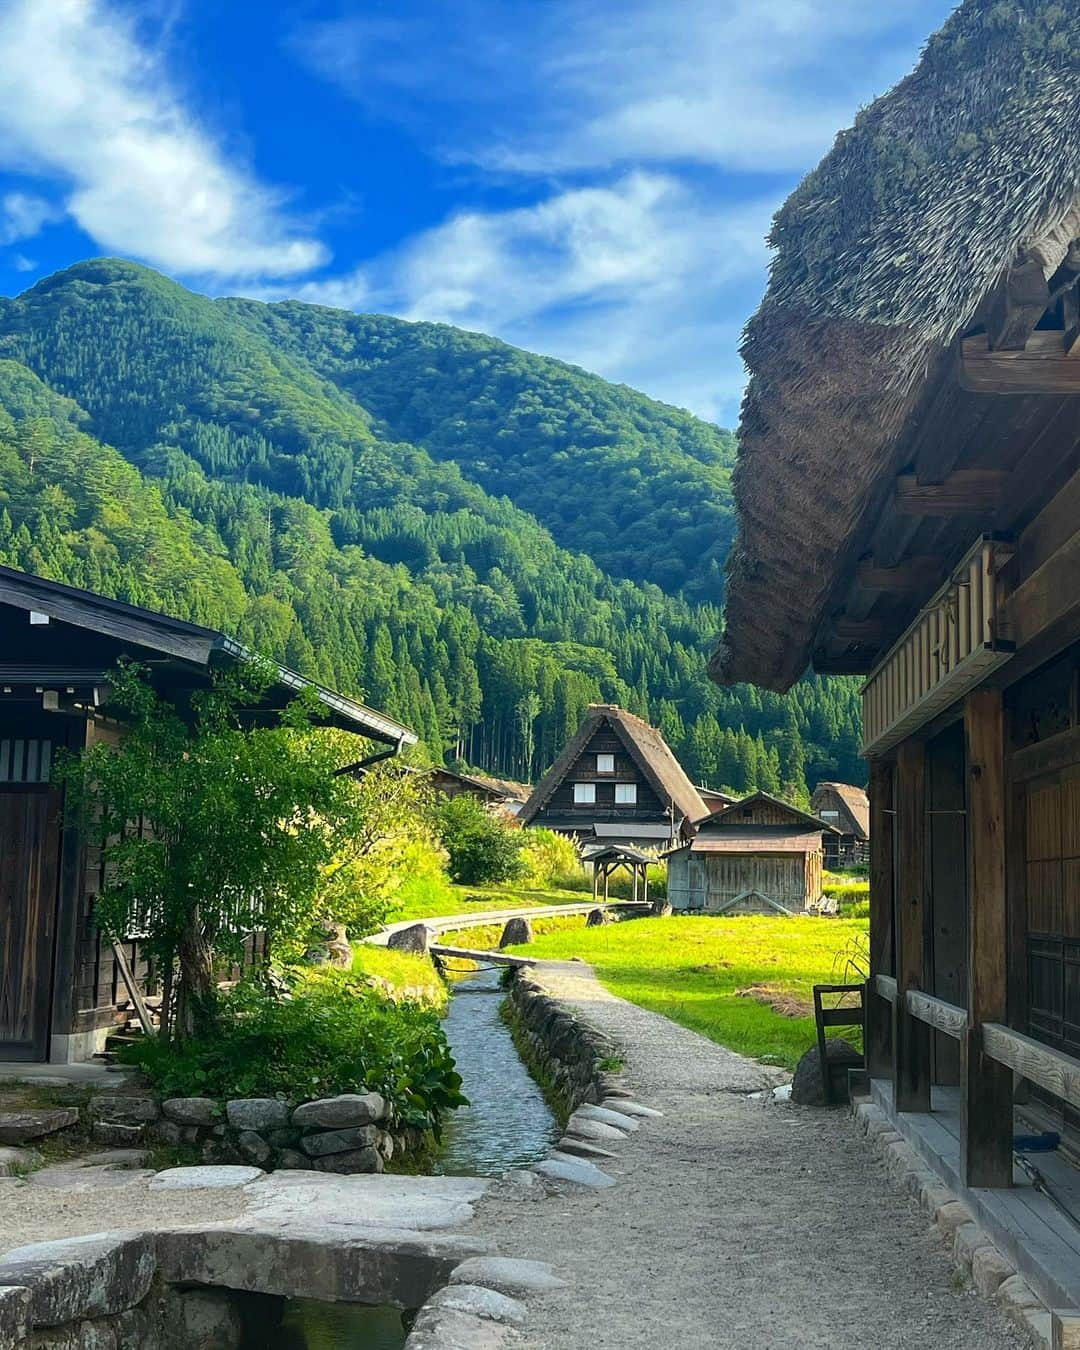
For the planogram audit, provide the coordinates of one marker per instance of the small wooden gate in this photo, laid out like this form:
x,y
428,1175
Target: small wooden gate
x,y
29,859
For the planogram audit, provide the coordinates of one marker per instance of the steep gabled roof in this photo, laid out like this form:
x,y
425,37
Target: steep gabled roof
x,y
152,635
731,817
852,802
885,256
645,746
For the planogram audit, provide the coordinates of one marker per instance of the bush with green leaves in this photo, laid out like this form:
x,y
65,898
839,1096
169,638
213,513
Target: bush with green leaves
x,y
483,848
551,860
330,1034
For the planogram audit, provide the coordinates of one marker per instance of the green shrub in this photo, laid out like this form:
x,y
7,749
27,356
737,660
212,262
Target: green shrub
x,y
483,848
549,859
332,1035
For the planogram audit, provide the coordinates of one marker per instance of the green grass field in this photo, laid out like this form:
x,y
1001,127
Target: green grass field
x,y
403,970
743,982
451,899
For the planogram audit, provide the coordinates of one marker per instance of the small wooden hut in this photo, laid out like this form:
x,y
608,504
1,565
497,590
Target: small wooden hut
x,y
61,983
908,492
757,856
847,809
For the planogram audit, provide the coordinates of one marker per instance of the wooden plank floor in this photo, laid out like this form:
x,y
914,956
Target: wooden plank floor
x,y
1027,1227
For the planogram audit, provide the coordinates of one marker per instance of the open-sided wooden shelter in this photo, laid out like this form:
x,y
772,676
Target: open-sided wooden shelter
x,y
759,855
908,490
616,781
60,983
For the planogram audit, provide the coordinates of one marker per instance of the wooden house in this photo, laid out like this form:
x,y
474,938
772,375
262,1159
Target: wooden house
x,y
616,782
500,794
908,493
756,856
61,982
847,809
714,799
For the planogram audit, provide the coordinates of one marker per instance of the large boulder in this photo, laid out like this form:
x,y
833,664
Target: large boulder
x,y
346,1112
660,909
516,933
190,1110
257,1113
597,918
806,1085
416,938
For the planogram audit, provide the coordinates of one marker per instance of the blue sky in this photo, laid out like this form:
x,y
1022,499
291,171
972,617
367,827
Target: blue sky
x,y
591,179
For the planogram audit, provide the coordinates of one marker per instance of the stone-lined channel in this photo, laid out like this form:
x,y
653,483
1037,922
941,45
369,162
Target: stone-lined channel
x,y
506,1124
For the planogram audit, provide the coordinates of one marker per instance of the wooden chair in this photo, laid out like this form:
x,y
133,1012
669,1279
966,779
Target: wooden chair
x,y
844,1015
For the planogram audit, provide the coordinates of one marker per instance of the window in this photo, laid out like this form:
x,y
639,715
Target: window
x,y
829,815
605,763
625,794
584,794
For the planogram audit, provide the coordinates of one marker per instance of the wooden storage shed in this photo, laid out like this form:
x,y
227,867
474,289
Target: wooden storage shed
x,y
61,983
908,492
847,809
758,856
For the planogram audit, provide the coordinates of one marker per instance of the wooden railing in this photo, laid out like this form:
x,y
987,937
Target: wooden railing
x,y
886,987
1050,1069
935,1012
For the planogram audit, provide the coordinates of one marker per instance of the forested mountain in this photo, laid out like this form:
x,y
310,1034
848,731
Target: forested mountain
x,y
479,540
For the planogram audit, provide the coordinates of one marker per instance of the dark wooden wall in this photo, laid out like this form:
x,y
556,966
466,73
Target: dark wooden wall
x,y
560,805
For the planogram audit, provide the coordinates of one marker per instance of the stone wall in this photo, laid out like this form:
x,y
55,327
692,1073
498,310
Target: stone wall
x,y
348,1134
563,1048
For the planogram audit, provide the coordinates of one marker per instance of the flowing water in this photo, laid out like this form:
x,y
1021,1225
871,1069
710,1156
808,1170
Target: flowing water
x,y
506,1124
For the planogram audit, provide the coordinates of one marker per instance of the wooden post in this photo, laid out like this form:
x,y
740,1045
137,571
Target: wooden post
x,y
645,881
606,875
635,870
911,1038
986,1124
879,1060
595,881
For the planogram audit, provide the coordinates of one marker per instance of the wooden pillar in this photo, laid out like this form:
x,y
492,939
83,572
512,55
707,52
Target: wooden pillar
x,y
635,869
606,875
595,880
879,1059
911,1038
645,883
986,1126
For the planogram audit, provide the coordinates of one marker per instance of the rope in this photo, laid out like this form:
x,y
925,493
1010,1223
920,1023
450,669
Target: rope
x,y
1042,1186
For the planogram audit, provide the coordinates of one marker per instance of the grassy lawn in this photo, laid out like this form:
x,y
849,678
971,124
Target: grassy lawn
x,y
403,970
744,982
486,937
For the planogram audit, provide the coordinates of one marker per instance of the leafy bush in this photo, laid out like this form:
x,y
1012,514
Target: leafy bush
x,y
332,1035
483,848
424,886
551,860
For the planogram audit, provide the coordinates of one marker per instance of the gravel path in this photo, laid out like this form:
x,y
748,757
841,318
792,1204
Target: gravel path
x,y
735,1223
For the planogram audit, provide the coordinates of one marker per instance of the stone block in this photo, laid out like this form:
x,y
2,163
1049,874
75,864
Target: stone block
x,y
516,933
174,1135
519,1279
593,1131
122,1136
448,1329
16,1160
900,1158
952,1216
607,1117
385,1144
74,1278
340,1113
1039,1327
626,1107
990,1270
575,1171
205,1319
415,938
356,1160
1015,1294
338,1141
476,1301
189,1110
969,1237
120,1110
1065,1329
254,1148
211,1178
123,1158
14,1315
286,1137
20,1127
292,1161
582,1148
257,1113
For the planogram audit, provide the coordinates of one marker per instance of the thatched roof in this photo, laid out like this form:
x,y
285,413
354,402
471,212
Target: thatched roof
x,y
850,801
645,746
883,256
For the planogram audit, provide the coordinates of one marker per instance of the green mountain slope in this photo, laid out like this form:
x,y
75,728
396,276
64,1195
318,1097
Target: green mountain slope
x,y
470,536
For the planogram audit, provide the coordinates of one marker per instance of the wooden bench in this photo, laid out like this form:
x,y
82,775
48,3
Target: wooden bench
x,y
843,1015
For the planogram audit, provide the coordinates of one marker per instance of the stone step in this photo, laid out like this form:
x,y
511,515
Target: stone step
x,y
19,1127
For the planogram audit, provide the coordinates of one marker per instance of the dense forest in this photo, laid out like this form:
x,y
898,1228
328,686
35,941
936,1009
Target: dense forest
x,y
478,540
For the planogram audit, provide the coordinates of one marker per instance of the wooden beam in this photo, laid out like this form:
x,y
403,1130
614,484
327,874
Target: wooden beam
x,y
911,1038
1050,1069
986,1108
963,492
1017,305
1044,366
869,631
936,1013
917,575
886,988
878,1013
1048,599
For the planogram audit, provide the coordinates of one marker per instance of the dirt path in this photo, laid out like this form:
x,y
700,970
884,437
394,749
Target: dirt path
x,y
734,1223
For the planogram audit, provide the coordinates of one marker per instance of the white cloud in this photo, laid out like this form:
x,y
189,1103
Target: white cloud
x,y
22,263
82,101
751,85
23,215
